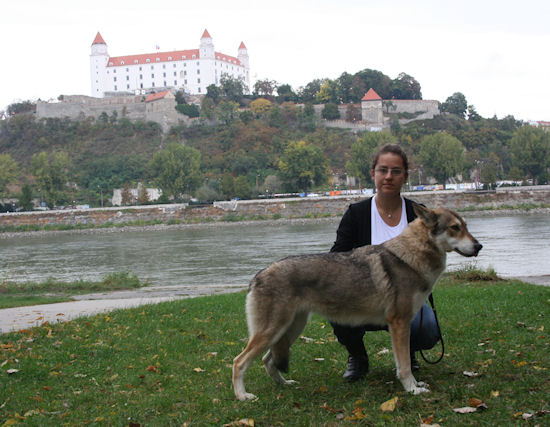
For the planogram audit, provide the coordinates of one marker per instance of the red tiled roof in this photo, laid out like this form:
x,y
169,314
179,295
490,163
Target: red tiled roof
x,y
98,39
155,96
158,57
205,35
242,46
371,95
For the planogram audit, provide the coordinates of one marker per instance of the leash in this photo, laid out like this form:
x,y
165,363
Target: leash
x,y
431,362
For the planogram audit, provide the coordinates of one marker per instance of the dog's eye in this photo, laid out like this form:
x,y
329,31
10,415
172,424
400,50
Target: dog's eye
x,y
455,227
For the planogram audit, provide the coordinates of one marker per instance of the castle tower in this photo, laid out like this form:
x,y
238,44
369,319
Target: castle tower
x,y
206,46
243,59
98,62
371,108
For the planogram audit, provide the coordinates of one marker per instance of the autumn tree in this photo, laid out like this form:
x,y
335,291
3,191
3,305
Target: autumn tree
x,y
442,156
455,104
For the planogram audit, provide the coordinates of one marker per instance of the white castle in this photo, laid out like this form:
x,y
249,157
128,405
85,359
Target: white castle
x,y
190,70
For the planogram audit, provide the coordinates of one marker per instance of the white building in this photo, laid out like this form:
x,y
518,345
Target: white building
x,y
192,70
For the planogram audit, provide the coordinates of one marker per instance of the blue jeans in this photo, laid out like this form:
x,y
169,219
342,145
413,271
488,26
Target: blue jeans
x,y
422,338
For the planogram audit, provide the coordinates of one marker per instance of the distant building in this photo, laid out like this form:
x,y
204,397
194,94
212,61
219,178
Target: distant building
x,y
191,70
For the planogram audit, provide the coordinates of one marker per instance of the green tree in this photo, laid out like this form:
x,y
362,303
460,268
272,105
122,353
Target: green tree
x,y
265,88
208,109
176,170
242,188
308,93
51,173
260,106
232,88
405,87
25,198
213,92
227,112
455,104
272,184
9,169
442,156
530,152
330,112
228,186
285,93
303,165
362,154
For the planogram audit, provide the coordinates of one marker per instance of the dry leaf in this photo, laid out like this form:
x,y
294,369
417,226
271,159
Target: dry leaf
x,y
472,401
198,370
383,351
465,410
151,368
389,405
12,371
471,374
495,393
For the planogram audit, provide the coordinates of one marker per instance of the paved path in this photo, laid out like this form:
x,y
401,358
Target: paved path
x,y
13,319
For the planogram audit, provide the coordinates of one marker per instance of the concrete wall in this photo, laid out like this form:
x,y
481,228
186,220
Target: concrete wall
x,y
286,208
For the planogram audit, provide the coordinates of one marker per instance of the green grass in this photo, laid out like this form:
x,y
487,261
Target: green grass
x,y
14,294
170,364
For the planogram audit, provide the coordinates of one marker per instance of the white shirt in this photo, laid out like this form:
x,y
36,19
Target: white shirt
x,y
380,231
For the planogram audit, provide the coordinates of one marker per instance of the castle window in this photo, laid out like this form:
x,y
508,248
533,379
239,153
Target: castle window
x,y
114,71
175,82
198,63
153,84
175,73
116,88
127,69
152,75
198,71
163,74
152,67
135,62
110,63
114,79
141,85
121,62
163,65
194,56
174,65
139,68
185,64
184,57
141,76
127,86
199,90
198,80
185,73
164,83
169,58
185,82
158,59
147,60
127,78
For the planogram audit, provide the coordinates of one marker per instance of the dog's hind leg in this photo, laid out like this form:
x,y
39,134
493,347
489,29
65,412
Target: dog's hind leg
x,y
400,337
277,358
257,344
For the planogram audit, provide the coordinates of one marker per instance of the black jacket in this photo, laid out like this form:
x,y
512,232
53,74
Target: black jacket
x,y
355,227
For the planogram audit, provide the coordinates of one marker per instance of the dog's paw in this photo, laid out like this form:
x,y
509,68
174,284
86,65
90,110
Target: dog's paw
x,y
419,390
247,396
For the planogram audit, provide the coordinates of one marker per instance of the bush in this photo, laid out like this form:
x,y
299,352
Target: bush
x,y
190,110
330,112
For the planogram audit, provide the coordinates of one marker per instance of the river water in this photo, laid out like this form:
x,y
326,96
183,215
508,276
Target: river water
x,y
514,246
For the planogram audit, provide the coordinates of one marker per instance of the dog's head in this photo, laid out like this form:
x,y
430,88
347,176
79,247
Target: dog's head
x,y
448,230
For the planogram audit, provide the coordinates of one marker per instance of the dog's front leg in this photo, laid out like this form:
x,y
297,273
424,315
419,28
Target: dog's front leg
x,y
400,336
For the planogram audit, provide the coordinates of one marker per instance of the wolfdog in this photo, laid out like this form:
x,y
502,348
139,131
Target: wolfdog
x,y
379,284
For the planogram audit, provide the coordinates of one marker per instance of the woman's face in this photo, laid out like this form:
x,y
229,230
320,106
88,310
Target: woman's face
x,y
389,174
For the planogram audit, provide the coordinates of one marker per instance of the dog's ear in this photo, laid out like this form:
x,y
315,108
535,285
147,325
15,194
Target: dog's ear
x,y
427,216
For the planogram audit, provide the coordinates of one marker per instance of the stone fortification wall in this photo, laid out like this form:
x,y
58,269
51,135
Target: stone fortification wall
x,y
286,208
78,107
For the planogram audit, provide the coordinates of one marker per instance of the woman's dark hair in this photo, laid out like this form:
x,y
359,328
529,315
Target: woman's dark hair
x,y
394,149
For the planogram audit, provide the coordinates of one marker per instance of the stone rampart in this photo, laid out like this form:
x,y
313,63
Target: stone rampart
x,y
285,208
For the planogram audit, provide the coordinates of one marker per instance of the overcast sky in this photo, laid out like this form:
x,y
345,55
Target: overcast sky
x,y
496,52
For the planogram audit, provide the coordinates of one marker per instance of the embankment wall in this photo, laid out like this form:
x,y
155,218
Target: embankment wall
x,y
285,208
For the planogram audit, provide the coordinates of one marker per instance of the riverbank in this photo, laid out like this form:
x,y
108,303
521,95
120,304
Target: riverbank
x,y
520,200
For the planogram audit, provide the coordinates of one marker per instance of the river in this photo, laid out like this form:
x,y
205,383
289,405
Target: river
x,y
514,246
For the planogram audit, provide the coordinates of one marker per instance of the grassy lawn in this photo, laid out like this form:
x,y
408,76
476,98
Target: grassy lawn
x,y
21,294
170,364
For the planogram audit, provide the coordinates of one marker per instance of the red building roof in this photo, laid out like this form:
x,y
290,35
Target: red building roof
x,y
206,35
242,46
158,57
371,95
98,39
155,96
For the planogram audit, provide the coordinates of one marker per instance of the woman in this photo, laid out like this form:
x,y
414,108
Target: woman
x,y
373,221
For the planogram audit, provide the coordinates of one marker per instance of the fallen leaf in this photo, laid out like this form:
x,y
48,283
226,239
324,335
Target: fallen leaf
x,y
389,405
198,370
383,351
472,401
471,374
465,410
428,420
495,393
319,359
526,416
12,371
151,368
